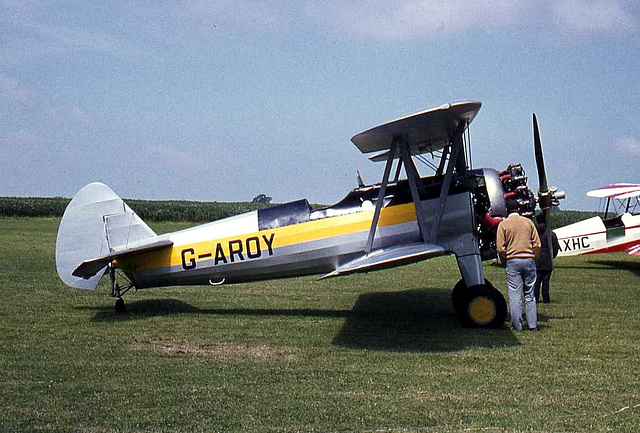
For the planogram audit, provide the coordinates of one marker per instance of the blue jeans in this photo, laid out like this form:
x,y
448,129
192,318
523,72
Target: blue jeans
x,y
521,274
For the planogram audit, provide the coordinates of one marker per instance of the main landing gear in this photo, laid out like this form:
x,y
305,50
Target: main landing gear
x,y
117,291
479,306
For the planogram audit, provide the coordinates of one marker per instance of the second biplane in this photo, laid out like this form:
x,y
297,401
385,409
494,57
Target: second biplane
x,y
395,222
617,230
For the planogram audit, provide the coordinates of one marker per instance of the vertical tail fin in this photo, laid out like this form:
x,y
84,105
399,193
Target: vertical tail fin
x,y
96,222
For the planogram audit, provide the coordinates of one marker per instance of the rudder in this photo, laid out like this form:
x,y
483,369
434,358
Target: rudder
x,y
96,222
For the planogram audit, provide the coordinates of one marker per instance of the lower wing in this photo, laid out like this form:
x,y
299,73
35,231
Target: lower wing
x,y
387,258
634,250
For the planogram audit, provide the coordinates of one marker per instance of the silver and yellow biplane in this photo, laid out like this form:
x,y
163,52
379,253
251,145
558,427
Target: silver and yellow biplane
x,y
396,222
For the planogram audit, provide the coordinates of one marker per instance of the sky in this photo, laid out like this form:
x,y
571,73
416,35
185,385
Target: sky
x,y
225,100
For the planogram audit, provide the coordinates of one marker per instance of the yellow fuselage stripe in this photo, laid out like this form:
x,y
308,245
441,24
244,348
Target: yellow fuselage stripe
x,y
284,236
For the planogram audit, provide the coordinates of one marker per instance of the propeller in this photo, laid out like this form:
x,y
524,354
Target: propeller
x,y
547,197
544,198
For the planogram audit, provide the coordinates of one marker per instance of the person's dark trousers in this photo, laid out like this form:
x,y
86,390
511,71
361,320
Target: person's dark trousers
x,y
543,279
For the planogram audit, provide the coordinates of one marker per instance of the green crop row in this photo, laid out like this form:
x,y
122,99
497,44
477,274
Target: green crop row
x,y
147,210
194,211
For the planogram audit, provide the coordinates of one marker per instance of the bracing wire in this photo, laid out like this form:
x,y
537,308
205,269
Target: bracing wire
x,y
424,160
467,138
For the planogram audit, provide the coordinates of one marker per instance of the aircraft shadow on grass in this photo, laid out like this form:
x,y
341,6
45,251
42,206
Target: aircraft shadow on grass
x,y
414,320
411,320
632,266
164,307
620,264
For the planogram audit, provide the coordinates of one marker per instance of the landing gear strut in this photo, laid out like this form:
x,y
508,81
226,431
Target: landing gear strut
x,y
479,306
117,291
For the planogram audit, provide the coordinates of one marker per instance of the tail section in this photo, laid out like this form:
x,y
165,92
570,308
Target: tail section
x,y
96,224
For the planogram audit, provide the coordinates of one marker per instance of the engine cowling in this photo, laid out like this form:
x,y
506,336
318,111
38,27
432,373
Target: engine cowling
x,y
503,191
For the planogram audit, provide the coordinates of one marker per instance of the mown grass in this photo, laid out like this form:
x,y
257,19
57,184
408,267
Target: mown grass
x,y
375,352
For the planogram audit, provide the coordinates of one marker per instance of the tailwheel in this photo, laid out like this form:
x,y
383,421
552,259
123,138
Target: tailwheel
x,y
117,291
120,307
481,306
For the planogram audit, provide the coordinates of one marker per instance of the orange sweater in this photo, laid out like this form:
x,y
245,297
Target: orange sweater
x,y
517,238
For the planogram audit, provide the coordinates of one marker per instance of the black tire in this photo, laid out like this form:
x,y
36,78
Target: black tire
x,y
120,308
457,295
459,292
482,306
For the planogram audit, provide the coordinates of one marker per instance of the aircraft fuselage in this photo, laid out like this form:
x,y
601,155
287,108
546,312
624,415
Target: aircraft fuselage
x,y
595,235
293,239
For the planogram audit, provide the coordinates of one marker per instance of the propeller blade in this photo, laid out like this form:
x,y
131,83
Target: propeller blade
x,y
542,176
544,195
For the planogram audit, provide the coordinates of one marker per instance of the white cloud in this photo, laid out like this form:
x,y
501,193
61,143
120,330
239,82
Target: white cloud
x,y
628,147
408,19
192,21
411,19
587,17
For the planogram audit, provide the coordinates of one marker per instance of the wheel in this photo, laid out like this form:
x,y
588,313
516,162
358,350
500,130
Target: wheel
x,y
457,295
120,308
482,306
459,291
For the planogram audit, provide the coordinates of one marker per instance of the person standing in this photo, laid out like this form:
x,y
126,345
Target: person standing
x,y
518,243
544,266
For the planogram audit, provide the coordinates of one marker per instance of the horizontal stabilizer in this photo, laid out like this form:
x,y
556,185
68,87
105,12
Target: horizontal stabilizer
x,y
634,250
387,258
89,268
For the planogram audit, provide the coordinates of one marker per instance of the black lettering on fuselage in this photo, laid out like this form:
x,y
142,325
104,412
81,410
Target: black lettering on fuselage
x,y
239,251
220,257
269,242
191,263
578,243
575,245
257,252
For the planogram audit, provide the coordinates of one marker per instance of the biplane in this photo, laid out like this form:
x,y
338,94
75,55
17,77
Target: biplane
x,y
395,222
618,229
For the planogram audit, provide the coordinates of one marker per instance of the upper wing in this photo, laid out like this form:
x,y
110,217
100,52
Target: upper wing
x,y
619,191
388,258
426,131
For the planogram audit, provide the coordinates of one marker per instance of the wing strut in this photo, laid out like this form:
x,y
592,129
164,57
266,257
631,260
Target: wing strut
x,y
401,146
398,168
412,176
414,185
381,195
456,145
443,161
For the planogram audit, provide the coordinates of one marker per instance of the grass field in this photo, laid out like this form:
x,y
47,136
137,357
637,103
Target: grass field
x,y
380,352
